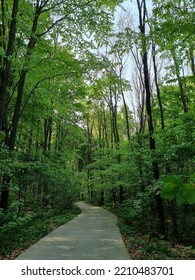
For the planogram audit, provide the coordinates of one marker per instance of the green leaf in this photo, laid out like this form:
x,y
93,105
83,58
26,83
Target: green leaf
x,y
168,191
192,177
189,190
173,180
1,51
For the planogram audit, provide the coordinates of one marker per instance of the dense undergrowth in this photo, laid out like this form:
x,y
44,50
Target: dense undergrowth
x,y
17,236
143,246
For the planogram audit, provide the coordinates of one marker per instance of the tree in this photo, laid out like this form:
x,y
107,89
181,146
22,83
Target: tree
x,y
142,25
48,19
177,18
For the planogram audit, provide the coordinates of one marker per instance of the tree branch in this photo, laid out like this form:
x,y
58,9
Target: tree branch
x,y
51,26
37,84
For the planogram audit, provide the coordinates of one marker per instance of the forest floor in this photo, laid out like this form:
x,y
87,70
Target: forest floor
x,y
144,247
139,246
15,242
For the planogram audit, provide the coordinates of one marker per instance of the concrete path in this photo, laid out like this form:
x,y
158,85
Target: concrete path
x,y
93,235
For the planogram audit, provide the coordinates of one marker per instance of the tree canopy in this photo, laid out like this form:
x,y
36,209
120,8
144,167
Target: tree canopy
x,y
98,107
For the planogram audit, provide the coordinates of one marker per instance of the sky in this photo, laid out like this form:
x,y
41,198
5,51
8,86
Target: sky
x,y
131,5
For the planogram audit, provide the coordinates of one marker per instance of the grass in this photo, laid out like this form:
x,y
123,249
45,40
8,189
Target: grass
x,y
15,240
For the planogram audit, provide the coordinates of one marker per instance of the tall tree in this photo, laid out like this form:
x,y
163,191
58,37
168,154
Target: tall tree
x,y
173,23
47,18
142,25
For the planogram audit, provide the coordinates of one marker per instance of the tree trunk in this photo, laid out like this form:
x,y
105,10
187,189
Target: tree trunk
x,y
4,87
20,89
6,61
159,202
172,210
181,89
21,83
157,87
5,192
171,205
17,108
126,116
142,21
126,109
113,197
47,134
31,133
50,133
192,61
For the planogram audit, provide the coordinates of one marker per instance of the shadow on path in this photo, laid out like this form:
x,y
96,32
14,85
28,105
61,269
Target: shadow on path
x,y
93,235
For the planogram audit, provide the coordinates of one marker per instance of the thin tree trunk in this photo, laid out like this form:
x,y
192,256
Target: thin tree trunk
x,y
171,205
181,89
126,116
125,107
156,176
142,19
50,133
37,135
31,133
192,62
157,87
141,100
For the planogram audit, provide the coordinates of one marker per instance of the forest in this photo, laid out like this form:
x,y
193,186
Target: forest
x,y
97,103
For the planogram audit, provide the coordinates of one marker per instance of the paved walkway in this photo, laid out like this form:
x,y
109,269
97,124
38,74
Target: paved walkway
x,y
93,235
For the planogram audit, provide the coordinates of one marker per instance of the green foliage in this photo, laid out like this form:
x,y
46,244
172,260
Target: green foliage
x,y
143,247
19,233
71,137
174,21
175,188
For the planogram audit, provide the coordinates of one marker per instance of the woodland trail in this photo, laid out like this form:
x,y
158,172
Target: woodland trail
x,y
93,235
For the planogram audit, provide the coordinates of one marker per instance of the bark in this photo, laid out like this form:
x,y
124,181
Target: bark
x,y
37,136
125,106
181,89
172,210
193,66
160,210
5,192
191,52
31,132
105,131
157,87
113,111
6,61
21,83
113,196
172,205
126,116
140,88
47,134
16,115
99,119
50,133
4,87
156,176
